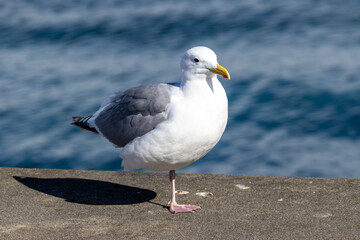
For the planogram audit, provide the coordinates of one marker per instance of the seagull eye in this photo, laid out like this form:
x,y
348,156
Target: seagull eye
x,y
196,60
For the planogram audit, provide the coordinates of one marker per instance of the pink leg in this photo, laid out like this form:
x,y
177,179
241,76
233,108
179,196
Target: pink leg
x,y
174,207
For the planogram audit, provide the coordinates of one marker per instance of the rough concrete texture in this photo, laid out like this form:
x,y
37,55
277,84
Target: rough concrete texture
x,y
68,204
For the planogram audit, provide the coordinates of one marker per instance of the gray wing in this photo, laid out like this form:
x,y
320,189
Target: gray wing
x,y
133,113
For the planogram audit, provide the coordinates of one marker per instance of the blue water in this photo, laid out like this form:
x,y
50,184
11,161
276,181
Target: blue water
x,y
294,96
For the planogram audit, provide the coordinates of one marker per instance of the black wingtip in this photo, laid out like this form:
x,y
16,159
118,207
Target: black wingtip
x,y
76,118
82,123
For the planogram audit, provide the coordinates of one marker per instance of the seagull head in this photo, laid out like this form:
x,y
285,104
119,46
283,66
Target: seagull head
x,y
201,62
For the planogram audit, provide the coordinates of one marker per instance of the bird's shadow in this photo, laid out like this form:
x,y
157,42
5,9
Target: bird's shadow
x,y
87,191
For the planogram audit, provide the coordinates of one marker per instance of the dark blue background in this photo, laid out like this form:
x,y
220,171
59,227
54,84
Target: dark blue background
x,y
294,96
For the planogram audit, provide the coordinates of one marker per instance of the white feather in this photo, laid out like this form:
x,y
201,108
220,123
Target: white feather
x,y
196,119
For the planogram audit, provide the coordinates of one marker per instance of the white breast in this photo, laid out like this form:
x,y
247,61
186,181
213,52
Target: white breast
x,y
196,120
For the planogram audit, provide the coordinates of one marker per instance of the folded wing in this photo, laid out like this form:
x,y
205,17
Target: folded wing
x,y
133,113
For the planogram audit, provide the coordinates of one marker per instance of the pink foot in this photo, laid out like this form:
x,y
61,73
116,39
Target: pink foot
x,y
177,208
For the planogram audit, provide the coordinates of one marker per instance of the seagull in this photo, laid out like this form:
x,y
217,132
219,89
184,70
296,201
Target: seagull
x,y
167,126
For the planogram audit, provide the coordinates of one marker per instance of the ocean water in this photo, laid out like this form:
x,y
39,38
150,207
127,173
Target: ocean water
x,y
294,96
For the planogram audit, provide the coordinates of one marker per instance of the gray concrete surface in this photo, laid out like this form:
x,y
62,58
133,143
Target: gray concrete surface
x,y
68,204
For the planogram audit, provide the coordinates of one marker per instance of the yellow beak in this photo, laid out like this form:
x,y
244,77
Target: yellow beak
x,y
221,71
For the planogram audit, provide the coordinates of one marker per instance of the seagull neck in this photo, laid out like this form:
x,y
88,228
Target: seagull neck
x,y
198,84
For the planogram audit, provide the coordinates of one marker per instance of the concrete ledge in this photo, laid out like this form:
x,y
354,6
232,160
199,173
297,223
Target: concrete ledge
x,y
68,204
